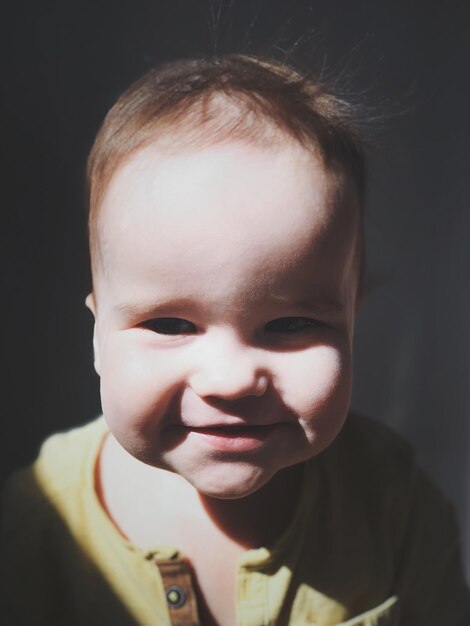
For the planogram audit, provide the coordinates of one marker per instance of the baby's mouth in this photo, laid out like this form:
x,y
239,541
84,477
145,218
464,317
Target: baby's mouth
x,y
234,430
234,438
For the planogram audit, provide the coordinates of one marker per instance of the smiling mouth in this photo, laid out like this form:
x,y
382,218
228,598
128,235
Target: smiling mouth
x,y
234,430
234,438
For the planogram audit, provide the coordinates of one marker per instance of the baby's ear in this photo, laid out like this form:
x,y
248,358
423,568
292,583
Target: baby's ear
x,y
90,303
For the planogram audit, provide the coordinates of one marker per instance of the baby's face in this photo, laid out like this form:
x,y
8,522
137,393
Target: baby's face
x,y
224,310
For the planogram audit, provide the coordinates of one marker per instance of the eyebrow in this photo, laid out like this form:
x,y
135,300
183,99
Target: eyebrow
x,y
133,307
318,304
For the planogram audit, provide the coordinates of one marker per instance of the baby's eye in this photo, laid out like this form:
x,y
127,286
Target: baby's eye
x,y
170,326
292,325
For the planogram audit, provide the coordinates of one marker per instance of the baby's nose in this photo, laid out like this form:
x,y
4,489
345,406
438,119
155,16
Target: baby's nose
x,y
229,371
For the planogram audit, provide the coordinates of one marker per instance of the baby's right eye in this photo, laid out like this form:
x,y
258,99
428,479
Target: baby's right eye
x,y
170,326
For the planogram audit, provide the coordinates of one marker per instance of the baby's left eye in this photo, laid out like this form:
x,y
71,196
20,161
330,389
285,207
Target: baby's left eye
x,y
292,325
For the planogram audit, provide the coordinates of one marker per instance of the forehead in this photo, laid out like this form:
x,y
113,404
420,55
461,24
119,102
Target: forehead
x,y
224,208
226,181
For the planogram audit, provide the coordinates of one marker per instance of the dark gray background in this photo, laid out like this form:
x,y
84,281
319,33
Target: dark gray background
x,y
63,63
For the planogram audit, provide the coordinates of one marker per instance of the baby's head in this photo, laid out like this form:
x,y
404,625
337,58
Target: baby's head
x,y
226,245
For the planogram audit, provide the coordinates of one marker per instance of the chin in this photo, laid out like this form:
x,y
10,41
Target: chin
x,y
231,485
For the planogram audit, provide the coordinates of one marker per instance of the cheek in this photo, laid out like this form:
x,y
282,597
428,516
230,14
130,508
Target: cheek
x,y
317,386
135,387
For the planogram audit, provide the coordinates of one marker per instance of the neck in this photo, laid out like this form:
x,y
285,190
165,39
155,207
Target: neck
x,y
258,519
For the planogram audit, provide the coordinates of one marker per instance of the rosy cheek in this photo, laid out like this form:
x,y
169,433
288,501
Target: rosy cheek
x,y
331,372
137,383
125,379
318,380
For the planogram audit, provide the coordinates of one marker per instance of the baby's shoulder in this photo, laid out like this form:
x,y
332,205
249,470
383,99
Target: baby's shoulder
x,y
372,467
374,472
61,470
367,443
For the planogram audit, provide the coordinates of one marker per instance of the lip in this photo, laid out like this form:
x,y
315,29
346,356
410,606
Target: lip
x,y
234,437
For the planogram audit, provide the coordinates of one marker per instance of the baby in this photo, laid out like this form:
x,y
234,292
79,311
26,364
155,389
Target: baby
x,y
226,483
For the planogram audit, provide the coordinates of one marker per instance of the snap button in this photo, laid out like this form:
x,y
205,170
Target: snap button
x,y
175,596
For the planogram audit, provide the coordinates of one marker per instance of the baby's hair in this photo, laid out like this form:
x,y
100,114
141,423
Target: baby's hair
x,y
204,101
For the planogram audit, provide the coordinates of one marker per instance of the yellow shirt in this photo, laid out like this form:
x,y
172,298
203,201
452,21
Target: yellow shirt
x,y
372,543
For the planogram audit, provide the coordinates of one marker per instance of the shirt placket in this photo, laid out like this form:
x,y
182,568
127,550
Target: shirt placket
x,y
179,591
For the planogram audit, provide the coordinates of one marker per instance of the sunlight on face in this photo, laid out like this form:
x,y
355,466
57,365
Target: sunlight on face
x,y
225,309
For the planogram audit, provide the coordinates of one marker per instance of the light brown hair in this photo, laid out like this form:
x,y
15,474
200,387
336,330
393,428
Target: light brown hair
x,y
209,100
